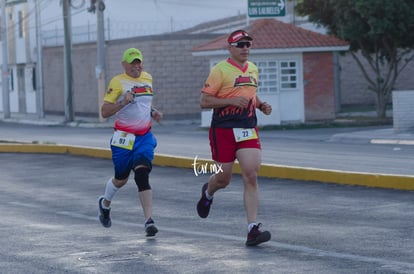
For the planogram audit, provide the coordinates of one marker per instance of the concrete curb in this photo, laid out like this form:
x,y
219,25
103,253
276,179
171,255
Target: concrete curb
x,y
207,166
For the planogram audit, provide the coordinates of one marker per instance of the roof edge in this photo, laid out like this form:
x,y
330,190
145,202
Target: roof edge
x,y
273,50
301,49
210,52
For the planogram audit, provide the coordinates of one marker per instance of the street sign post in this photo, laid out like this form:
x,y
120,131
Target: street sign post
x,y
266,8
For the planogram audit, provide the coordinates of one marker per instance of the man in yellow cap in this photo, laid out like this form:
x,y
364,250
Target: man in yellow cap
x,y
129,98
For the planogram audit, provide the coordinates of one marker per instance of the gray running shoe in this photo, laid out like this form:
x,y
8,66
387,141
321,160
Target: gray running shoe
x,y
204,204
256,236
150,228
104,214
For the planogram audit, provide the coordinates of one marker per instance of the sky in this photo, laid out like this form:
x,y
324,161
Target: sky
x,y
143,15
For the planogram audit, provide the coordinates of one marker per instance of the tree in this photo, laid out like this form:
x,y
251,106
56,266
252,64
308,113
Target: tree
x,y
381,31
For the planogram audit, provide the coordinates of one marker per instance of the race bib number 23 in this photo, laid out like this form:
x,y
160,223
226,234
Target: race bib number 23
x,y
244,134
123,139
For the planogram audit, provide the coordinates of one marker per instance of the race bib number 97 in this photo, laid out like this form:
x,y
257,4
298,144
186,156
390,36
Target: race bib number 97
x,y
123,139
244,134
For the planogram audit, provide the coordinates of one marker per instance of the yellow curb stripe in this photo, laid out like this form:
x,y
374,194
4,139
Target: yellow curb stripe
x,y
391,181
33,148
403,182
167,160
91,152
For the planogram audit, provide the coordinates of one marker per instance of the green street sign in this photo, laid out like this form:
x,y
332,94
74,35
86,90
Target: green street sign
x,y
266,8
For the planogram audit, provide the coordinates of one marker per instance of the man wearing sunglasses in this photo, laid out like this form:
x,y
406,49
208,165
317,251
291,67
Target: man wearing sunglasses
x,y
230,90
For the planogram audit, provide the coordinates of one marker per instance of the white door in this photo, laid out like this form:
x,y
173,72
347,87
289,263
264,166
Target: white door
x,y
280,84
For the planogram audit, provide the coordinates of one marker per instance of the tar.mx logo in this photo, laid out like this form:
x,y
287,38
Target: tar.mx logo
x,y
205,168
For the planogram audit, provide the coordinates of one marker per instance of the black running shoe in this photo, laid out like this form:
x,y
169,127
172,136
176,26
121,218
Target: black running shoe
x,y
150,228
104,217
203,206
256,236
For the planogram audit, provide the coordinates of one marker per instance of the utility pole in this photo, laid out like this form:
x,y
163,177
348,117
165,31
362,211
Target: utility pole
x,y
98,6
39,65
101,64
5,66
68,61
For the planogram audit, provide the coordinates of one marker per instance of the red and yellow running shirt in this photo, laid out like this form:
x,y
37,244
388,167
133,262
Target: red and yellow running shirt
x,y
135,117
227,79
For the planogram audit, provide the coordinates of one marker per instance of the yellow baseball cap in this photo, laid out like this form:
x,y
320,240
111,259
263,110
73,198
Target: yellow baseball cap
x,y
131,54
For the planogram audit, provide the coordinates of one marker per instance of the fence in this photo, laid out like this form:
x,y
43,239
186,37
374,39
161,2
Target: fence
x,y
113,30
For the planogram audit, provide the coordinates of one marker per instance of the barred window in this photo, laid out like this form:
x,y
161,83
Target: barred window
x,y
288,73
268,76
276,76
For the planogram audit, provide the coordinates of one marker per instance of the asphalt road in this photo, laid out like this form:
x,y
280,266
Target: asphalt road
x,y
49,224
49,209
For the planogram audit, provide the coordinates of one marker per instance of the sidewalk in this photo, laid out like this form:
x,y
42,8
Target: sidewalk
x,y
378,136
383,135
341,155
56,120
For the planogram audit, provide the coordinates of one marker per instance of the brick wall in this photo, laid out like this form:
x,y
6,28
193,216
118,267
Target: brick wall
x,y
84,83
318,76
354,87
177,75
403,102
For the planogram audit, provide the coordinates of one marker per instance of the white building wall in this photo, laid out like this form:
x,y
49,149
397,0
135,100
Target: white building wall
x,y
21,49
403,102
31,94
13,96
20,33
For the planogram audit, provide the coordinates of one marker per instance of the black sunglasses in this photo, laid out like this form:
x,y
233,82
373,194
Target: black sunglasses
x,y
241,45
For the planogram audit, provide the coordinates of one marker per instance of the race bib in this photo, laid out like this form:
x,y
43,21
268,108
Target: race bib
x,y
244,134
123,139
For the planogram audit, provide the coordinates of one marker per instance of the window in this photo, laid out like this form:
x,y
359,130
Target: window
x,y
288,74
276,76
11,82
268,80
20,22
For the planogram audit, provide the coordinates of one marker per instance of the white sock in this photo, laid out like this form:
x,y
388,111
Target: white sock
x,y
208,196
110,190
250,226
104,206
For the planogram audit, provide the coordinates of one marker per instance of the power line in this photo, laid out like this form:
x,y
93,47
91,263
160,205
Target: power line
x,y
29,15
200,4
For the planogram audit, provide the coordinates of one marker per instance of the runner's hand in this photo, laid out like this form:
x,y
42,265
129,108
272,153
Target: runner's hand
x,y
266,108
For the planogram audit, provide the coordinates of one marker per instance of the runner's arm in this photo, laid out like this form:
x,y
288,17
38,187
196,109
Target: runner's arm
x,y
108,108
210,101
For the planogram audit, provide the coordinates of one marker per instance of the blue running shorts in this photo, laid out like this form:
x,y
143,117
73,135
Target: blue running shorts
x,y
142,153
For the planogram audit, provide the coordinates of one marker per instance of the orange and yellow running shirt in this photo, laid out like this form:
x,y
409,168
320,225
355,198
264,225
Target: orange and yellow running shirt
x,y
135,117
227,79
